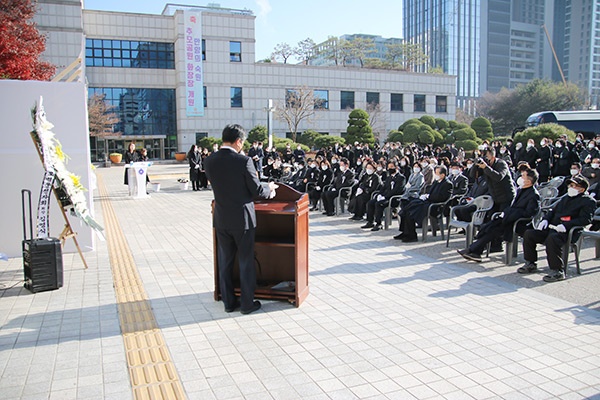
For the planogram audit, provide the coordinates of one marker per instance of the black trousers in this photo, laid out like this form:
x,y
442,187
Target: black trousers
x,y
554,242
229,244
328,198
375,209
360,204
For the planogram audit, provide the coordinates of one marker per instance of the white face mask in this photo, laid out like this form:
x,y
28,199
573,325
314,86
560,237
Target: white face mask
x,y
572,192
455,171
574,172
334,161
416,170
437,177
323,167
543,143
594,165
313,165
591,146
558,145
469,166
520,182
402,163
379,168
370,171
529,145
424,164
502,151
270,162
342,168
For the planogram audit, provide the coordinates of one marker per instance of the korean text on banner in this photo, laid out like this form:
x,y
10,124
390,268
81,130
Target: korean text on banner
x,y
194,88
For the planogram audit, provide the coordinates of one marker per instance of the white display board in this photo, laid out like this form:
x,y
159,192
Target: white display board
x,y
20,168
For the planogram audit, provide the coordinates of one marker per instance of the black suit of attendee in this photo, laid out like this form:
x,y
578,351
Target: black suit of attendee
x,y
394,185
344,179
530,156
544,163
195,161
314,194
257,155
368,184
235,185
526,204
131,155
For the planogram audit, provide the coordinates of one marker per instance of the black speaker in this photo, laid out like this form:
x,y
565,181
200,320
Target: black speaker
x,y
42,257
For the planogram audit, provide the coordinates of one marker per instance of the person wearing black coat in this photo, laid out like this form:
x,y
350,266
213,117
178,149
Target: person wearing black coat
x,y
257,155
498,177
325,178
544,161
531,154
416,209
563,157
195,160
130,156
369,183
394,185
575,209
344,179
526,204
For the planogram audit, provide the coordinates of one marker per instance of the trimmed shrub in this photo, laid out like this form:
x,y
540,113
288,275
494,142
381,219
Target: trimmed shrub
x,y
326,140
552,131
428,120
464,134
467,145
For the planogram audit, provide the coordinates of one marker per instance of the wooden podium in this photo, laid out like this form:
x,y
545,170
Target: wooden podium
x,y
281,248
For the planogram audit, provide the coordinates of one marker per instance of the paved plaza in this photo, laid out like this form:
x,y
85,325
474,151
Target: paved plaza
x,y
384,320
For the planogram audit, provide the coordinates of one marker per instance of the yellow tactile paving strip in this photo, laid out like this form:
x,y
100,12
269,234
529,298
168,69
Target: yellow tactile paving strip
x,y
151,371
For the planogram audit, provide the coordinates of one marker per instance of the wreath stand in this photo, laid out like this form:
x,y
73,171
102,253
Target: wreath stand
x,y
67,232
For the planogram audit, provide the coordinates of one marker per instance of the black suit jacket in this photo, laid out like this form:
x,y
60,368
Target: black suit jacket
x,y
394,185
235,185
526,204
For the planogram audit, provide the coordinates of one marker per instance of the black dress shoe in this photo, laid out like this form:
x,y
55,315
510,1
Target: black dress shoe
x,y
330,214
255,307
400,236
409,239
498,249
367,225
376,228
232,309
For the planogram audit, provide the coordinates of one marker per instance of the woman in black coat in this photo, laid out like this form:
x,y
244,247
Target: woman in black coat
x,y
195,160
131,155
325,178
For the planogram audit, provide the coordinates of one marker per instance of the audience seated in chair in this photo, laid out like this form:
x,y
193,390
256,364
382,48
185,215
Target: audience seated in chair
x,y
393,186
325,179
369,183
344,179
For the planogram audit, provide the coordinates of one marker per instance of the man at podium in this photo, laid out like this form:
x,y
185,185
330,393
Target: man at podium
x,y
235,185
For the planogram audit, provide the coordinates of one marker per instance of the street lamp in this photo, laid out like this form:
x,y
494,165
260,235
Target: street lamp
x,y
269,109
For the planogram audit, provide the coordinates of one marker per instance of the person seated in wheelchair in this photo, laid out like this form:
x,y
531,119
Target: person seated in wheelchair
x,y
344,179
415,210
575,209
368,183
526,205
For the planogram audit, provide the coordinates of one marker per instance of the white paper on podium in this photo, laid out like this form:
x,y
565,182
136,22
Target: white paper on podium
x,y
136,178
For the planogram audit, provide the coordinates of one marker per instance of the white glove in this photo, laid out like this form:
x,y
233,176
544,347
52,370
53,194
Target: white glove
x,y
424,196
197,167
560,228
318,187
380,197
408,185
501,215
333,189
359,191
542,225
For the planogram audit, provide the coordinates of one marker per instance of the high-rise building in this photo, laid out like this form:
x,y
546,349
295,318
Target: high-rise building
x,y
492,44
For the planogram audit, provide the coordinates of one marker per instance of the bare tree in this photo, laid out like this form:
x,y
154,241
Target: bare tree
x,y
101,116
299,105
282,51
377,119
305,50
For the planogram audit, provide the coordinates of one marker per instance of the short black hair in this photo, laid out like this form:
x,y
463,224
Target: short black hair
x,y
441,169
233,132
532,174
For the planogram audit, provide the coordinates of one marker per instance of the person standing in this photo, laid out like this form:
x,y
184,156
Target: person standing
x,y
195,161
235,185
130,156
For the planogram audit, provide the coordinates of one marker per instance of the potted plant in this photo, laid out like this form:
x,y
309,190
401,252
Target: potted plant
x,y
116,157
180,156
184,183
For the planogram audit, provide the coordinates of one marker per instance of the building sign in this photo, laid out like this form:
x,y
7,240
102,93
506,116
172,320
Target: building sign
x,y
194,92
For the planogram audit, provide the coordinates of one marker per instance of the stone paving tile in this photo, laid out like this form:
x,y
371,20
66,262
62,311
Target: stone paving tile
x,y
383,320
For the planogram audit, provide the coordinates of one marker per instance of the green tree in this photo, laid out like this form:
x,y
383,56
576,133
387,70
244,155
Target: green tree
x,y
413,56
308,137
208,142
361,48
551,131
467,145
465,134
359,128
258,134
394,54
428,120
305,50
326,141
509,109
395,136
482,128
441,123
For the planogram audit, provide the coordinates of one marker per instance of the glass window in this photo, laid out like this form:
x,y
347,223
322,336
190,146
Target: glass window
x,y
347,100
235,51
321,99
441,104
396,102
200,136
129,54
419,102
203,50
372,98
236,97
205,101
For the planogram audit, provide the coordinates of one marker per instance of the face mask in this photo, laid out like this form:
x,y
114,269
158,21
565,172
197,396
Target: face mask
x,y
299,148
590,146
270,162
543,142
300,166
437,178
342,168
323,167
558,145
469,166
314,165
502,151
574,172
519,146
572,192
392,170
334,161
529,145
424,164
380,169
370,171
455,171
595,165
416,170
403,163
520,182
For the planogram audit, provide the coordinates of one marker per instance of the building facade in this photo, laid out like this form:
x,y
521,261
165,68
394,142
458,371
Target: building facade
x,y
495,44
138,61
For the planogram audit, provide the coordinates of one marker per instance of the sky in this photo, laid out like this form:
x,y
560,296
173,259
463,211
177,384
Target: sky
x,y
290,21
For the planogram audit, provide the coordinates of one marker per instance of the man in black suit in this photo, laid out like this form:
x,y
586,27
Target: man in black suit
x,y
526,204
394,185
344,179
235,185
257,155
